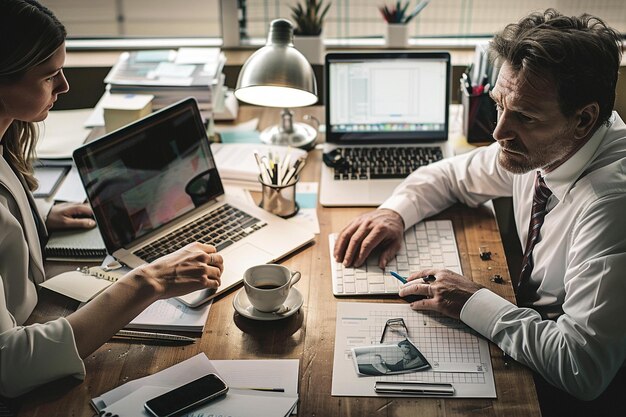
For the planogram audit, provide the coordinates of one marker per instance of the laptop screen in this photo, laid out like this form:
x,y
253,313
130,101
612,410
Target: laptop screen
x,y
149,173
389,97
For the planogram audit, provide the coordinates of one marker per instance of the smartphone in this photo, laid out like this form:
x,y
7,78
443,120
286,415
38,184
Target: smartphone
x,y
186,397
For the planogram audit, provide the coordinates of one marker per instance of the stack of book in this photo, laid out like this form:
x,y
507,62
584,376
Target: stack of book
x,y
171,75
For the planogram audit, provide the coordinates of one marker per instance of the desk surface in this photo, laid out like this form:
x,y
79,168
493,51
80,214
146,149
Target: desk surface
x,y
307,336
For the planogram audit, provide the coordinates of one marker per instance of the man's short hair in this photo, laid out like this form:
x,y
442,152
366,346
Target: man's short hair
x,y
581,55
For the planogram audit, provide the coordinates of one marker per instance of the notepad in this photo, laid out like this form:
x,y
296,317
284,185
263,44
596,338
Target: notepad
x,y
127,400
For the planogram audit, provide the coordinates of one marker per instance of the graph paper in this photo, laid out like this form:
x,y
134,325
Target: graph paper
x,y
458,355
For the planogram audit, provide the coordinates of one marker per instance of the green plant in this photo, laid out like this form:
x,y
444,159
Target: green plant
x,y
398,12
309,18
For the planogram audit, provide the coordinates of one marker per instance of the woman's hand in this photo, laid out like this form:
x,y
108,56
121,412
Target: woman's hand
x,y
193,267
70,216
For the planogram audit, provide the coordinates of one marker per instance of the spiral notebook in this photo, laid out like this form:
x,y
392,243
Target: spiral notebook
x,y
76,244
82,284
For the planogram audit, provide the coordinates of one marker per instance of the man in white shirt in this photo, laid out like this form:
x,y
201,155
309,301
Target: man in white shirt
x,y
554,95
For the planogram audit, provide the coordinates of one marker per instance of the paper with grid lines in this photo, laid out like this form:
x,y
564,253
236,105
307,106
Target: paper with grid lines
x,y
448,344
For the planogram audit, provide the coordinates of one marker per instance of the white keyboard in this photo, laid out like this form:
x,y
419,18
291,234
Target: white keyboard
x,y
429,244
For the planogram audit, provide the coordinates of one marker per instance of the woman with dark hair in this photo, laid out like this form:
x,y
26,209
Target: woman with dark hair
x,y
32,54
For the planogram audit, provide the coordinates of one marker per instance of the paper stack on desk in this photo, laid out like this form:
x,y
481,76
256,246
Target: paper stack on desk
x,y
237,165
127,400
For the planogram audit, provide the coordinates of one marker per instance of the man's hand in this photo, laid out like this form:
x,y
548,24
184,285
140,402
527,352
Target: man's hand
x,y
70,216
381,228
447,294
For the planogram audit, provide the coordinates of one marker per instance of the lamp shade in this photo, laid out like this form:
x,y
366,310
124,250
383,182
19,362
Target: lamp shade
x,y
277,75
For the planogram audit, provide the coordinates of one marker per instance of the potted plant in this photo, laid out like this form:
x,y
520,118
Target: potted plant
x,y
309,22
397,17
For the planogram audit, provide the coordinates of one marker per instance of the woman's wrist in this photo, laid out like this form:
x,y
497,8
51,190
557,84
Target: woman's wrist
x,y
143,283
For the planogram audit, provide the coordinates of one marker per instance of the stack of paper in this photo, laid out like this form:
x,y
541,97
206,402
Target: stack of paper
x,y
237,165
242,400
170,75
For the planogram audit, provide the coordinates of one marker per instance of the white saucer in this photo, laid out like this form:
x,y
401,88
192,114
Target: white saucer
x,y
242,305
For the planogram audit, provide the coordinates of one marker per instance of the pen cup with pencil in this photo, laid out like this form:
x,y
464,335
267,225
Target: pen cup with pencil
x,y
279,199
278,178
479,113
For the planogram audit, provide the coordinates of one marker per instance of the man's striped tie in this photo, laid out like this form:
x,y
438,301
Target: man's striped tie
x,y
538,213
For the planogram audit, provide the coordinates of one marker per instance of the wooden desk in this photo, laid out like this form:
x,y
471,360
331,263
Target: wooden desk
x,y
308,335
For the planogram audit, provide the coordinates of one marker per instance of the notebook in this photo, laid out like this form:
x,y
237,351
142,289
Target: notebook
x,y
386,115
154,186
75,244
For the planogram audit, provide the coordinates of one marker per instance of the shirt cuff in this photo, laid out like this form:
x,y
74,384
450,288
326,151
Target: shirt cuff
x,y
404,207
483,310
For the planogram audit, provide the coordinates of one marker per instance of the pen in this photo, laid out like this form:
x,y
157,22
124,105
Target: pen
x,y
427,278
261,389
398,277
133,334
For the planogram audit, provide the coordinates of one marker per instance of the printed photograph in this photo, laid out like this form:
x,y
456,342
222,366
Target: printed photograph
x,y
376,360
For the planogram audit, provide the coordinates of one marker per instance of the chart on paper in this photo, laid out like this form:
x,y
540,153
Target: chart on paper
x,y
458,355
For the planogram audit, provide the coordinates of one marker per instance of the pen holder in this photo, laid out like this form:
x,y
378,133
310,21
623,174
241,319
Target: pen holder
x,y
279,199
479,116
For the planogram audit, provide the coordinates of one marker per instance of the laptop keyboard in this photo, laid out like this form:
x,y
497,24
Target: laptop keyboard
x,y
429,244
383,162
221,228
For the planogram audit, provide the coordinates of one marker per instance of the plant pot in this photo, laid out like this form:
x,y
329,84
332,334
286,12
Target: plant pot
x,y
312,47
397,35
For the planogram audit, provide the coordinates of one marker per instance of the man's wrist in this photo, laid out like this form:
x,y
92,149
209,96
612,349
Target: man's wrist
x,y
395,214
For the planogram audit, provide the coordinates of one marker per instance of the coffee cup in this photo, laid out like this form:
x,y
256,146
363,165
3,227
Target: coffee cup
x,y
267,286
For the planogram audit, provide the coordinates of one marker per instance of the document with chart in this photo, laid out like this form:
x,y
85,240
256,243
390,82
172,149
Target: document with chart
x,y
457,354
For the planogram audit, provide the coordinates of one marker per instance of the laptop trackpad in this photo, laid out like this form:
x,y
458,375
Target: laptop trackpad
x,y
380,190
237,260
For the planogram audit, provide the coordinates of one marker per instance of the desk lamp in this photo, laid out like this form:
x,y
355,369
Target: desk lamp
x,y
278,75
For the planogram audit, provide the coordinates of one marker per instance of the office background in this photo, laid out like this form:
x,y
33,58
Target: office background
x,y
99,29
352,20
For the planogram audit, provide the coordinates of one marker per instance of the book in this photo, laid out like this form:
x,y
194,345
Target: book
x,y
123,109
75,244
49,178
172,315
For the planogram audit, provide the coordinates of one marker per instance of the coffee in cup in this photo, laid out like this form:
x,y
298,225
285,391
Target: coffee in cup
x,y
267,286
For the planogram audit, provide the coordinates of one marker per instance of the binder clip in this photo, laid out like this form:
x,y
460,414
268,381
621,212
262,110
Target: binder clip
x,y
497,278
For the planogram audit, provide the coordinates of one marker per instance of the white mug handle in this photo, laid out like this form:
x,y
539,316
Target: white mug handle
x,y
295,277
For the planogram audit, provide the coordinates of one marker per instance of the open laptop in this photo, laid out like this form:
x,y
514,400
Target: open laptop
x,y
386,115
154,187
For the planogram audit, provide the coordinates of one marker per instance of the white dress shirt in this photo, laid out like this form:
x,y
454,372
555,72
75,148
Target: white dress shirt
x,y
575,333
39,353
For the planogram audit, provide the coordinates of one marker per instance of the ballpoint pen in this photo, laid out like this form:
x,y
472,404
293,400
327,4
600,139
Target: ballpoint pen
x,y
260,389
427,278
398,277
137,335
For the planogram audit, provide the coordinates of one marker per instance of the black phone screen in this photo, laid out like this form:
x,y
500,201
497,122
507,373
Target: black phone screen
x,y
187,396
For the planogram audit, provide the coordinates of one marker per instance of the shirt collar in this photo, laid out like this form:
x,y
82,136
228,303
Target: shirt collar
x,y
562,179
